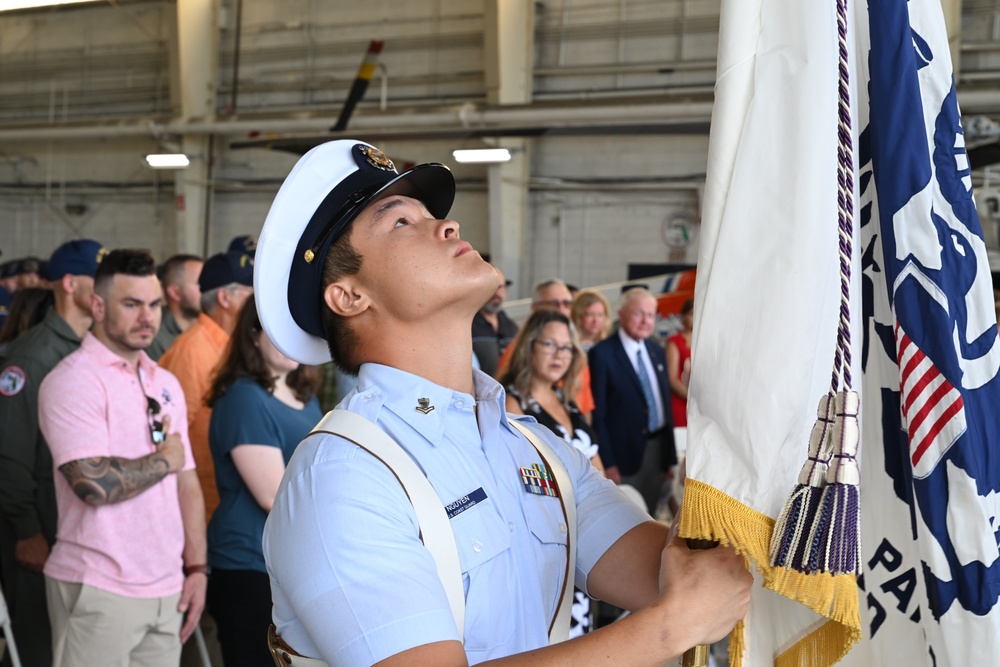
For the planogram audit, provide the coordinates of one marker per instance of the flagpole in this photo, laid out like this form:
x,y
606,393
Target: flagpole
x,y
697,656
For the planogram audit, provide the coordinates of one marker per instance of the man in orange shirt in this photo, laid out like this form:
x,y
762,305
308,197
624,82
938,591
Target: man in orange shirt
x,y
226,282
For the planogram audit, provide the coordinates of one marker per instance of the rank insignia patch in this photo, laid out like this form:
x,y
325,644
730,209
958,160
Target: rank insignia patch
x,y
537,480
11,381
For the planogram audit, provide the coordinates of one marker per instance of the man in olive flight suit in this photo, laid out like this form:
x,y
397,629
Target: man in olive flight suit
x,y
27,494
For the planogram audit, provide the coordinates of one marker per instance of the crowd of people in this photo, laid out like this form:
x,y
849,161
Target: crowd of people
x,y
628,386
246,408
124,380
147,417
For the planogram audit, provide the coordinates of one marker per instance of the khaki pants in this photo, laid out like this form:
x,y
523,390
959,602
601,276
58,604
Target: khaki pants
x,y
94,627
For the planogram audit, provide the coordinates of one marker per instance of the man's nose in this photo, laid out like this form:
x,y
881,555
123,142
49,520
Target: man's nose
x,y
448,229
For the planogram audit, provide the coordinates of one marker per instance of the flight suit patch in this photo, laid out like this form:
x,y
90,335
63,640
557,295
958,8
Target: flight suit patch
x,y
12,381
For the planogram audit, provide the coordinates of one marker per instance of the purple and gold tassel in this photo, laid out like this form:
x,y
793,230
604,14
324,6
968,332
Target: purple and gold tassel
x,y
836,531
790,539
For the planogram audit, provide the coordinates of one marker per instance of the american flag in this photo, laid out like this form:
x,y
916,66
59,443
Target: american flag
x,y
933,410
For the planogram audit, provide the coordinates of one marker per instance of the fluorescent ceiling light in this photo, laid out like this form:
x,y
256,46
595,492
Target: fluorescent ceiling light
x,y
168,161
8,5
482,155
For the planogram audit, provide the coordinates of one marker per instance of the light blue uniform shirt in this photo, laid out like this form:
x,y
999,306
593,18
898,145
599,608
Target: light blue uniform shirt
x,y
350,579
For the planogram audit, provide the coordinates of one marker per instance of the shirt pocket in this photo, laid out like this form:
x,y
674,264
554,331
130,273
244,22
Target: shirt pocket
x,y
550,534
484,550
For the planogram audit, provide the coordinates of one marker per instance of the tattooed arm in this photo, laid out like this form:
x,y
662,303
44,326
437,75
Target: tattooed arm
x,y
112,479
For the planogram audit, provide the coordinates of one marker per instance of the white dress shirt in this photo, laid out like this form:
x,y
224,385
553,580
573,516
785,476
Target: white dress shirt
x,y
632,347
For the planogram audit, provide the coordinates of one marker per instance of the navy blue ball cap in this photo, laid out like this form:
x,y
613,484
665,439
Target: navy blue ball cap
x,y
325,191
9,269
79,257
5,299
246,243
30,265
224,269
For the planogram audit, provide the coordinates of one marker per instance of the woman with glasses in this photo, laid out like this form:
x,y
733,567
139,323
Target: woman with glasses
x,y
542,374
263,404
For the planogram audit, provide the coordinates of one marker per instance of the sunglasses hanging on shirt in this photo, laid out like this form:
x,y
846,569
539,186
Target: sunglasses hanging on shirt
x,y
155,425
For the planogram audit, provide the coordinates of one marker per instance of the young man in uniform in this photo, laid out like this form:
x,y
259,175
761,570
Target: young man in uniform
x,y
359,263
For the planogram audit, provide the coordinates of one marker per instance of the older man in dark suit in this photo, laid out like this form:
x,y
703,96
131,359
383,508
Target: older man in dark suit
x,y
628,376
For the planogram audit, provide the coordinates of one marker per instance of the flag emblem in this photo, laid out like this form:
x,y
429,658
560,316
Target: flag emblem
x,y
537,480
933,410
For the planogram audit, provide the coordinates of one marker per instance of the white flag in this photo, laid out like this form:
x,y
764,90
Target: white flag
x,y
921,296
766,314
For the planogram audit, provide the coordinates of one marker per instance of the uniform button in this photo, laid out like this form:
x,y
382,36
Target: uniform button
x,y
477,546
458,404
369,397
511,524
562,528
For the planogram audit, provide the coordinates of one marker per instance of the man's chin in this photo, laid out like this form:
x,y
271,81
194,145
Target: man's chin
x,y
141,341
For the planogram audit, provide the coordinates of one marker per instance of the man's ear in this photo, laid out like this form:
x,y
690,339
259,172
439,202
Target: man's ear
x,y
97,307
172,293
344,299
223,299
68,283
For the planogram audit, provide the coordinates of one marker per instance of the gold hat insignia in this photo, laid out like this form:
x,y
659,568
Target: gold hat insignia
x,y
378,159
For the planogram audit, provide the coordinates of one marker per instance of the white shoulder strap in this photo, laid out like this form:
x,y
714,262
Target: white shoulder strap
x,y
435,529
559,629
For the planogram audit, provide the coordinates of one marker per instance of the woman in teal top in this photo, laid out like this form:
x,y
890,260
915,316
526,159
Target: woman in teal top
x,y
263,404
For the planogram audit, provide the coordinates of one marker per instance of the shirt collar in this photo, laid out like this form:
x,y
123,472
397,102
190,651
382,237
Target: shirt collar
x,y
61,327
420,403
169,322
214,331
630,344
103,355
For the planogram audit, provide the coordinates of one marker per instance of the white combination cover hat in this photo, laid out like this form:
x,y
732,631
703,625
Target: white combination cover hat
x,y
325,191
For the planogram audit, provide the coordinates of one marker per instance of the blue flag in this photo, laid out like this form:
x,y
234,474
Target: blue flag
x,y
931,432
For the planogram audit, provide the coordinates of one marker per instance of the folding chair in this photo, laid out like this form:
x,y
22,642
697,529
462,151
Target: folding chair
x,y
206,661
8,632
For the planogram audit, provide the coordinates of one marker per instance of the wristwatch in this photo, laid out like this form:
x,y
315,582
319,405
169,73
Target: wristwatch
x,y
197,569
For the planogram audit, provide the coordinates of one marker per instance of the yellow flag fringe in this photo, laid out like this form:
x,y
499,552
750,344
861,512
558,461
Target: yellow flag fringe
x,y
710,514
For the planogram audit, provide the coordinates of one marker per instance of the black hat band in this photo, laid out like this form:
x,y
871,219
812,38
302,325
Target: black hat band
x,y
328,223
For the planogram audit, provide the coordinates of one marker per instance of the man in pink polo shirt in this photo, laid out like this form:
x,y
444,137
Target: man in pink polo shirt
x,y
129,559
